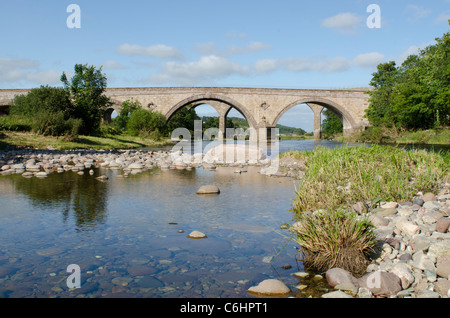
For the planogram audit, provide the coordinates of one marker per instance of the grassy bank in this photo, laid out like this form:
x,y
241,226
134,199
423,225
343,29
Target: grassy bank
x,y
439,136
336,178
30,140
328,232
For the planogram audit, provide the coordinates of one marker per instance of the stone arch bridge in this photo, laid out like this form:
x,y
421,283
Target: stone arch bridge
x,y
262,107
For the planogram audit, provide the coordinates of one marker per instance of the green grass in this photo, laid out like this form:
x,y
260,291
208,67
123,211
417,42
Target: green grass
x,y
30,140
337,178
432,137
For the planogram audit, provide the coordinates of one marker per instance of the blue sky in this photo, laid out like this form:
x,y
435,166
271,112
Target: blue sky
x,y
246,43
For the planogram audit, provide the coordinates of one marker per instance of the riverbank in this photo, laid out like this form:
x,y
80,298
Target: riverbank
x,y
11,140
405,195
378,135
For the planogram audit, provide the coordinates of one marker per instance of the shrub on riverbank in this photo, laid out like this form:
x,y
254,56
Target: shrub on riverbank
x,y
337,178
334,239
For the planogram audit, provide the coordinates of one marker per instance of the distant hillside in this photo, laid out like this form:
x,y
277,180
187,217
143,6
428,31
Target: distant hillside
x,y
286,130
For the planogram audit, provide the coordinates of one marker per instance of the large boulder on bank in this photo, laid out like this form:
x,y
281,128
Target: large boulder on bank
x,y
231,153
338,276
380,283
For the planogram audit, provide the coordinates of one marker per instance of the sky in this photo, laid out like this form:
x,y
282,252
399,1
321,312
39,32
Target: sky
x,y
245,43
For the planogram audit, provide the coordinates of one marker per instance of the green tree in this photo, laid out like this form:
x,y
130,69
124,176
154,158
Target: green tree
x,y
383,81
184,117
49,110
415,95
213,122
331,125
128,107
51,99
145,122
86,90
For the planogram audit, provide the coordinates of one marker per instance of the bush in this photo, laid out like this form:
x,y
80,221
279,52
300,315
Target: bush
x,y
128,107
53,124
143,122
44,98
15,123
107,130
334,239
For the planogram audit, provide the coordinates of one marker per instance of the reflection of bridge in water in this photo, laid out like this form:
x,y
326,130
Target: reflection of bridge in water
x,y
261,107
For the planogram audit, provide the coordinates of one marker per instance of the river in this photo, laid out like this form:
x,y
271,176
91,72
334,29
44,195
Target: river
x,y
128,236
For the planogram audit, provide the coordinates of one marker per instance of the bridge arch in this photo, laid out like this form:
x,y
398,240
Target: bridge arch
x,y
204,98
116,106
346,119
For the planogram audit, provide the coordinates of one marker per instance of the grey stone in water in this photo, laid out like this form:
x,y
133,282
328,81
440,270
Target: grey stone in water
x,y
208,189
196,235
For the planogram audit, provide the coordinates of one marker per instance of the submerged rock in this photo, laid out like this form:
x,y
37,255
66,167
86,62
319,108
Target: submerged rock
x,y
270,287
196,235
208,189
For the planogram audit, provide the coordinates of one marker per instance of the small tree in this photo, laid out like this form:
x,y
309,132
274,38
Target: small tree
x,y
331,125
128,107
86,90
144,122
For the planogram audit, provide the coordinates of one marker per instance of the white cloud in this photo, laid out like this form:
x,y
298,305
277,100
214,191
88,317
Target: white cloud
x,y
267,65
442,18
236,35
24,70
306,64
368,59
209,48
343,22
250,48
49,77
206,69
159,51
113,65
416,12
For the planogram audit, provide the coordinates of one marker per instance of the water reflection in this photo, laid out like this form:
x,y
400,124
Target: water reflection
x,y
80,197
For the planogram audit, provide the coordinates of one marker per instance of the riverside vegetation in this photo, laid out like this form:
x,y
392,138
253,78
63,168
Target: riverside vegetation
x,y
356,206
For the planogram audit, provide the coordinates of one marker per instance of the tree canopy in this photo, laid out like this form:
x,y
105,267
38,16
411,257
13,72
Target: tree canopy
x,y
415,95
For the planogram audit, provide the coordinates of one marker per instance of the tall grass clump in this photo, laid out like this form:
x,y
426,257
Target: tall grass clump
x,y
334,239
337,178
